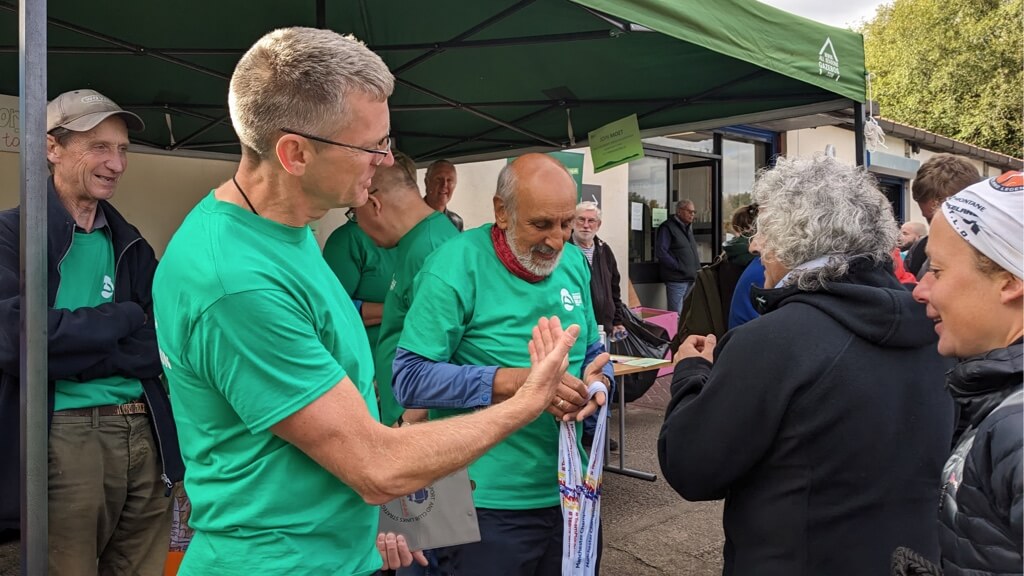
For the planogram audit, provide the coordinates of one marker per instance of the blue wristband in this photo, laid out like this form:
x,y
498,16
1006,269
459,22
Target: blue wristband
x,y
358,304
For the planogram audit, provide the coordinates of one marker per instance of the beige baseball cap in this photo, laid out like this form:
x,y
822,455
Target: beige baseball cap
x,y
82,110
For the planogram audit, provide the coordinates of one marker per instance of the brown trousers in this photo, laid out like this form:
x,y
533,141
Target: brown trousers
x,y
107,511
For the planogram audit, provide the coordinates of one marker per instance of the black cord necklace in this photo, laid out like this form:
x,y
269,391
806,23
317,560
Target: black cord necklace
x,y
244,197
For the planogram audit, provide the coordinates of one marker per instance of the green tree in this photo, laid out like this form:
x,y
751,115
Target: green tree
x,y
951,67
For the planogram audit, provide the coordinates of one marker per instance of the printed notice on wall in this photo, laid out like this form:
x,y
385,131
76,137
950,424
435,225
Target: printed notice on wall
x,y
658,215
636,216
10,138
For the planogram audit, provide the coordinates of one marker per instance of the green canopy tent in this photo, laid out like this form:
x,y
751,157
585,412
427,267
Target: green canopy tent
x,y
474,80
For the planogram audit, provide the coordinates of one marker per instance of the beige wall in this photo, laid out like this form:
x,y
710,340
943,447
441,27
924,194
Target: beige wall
x,y
155,193
811,141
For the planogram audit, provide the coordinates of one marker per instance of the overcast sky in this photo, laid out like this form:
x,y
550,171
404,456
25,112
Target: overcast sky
x,y
845,14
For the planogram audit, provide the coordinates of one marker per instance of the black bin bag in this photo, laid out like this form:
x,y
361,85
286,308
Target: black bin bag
x,y
645,340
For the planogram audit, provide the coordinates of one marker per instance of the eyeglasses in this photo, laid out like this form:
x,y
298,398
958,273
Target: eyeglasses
x,y
379,154
590,221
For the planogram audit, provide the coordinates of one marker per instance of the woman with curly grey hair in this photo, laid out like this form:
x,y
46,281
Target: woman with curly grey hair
x,y
823,423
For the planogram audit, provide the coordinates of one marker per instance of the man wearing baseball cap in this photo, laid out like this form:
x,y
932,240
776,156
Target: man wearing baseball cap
x,y
113,451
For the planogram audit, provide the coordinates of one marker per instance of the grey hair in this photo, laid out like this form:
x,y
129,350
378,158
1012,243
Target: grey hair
x,y
587,206
816,207
299,78
506,190
434,165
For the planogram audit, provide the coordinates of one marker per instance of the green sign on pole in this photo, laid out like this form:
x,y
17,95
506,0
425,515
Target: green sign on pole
x,y
616,143
573,162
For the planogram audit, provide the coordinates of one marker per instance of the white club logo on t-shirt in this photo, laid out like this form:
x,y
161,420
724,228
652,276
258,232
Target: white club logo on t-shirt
x,y
108,287
570,301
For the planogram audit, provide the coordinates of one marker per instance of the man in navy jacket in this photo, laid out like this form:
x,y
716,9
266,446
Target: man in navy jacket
x,y
113,452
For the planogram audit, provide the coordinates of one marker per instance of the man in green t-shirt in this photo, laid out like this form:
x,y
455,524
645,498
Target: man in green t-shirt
x,y
474,299
112,447
364,270
396,216
268,366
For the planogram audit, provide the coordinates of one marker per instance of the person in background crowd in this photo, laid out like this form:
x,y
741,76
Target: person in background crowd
x,y
364,270
269,367
822,423
113,449
604,287
938,178
676,249
440,182
910,233
396,217
974,294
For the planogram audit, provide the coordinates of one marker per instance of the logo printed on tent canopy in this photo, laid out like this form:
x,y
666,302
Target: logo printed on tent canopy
x,y
828,62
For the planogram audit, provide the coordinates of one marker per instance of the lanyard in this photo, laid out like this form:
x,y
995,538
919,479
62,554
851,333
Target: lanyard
x,y
581,495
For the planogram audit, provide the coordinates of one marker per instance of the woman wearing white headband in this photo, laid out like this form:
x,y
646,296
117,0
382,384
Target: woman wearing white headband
x,y
974,293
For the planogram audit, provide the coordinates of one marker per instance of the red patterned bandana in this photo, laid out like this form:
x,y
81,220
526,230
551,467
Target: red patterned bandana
x,y
508,258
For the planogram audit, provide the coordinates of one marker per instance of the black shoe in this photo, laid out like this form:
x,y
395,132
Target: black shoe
x,y
588,441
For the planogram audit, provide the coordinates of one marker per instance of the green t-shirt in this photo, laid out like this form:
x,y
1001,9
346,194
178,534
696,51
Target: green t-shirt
x,y
410,253
87,280
363,268
469,309
253,326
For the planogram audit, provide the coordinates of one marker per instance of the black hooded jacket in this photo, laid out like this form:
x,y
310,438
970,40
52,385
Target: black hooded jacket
x,y
823,424
83,344
982,514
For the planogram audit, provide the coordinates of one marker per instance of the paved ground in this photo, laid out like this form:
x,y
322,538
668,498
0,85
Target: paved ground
x,y
649,530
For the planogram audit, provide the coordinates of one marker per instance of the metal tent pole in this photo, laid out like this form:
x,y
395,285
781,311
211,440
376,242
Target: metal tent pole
x,y
34,173
858,131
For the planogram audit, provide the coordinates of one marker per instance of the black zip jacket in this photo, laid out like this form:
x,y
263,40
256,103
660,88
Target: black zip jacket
x,y
982,511
113,338
604,285
824,424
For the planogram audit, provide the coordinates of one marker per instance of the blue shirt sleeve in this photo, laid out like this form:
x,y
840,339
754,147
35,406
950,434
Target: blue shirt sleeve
x,y
440,384
741,309
444,385
593,351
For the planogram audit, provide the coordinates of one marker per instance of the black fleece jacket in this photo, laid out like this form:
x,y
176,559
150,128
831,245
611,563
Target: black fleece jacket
x,y
824,424
83,344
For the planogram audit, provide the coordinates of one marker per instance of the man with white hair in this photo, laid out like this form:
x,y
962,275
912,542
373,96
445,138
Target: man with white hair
x,y
473,298
269,366
678,259
604,285
439,184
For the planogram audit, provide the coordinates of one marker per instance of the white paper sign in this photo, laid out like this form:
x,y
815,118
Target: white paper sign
x,y
636,220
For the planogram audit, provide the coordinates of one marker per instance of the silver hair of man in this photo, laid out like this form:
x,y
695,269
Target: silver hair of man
x,y
816,207
299,78
588,206
435,165
506,190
